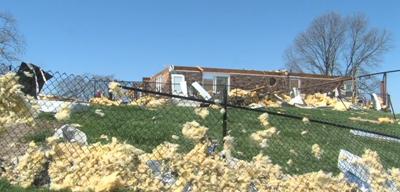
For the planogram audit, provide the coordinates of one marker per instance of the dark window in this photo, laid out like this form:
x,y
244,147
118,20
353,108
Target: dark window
x,y
272,81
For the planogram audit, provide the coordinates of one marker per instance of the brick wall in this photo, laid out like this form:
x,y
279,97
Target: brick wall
x,y
270,83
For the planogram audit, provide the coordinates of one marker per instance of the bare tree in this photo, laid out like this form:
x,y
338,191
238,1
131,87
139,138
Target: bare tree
x,y
11,43
334,45
317,49
365,46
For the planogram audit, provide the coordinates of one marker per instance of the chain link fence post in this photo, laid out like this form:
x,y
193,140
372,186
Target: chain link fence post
x,y
225,114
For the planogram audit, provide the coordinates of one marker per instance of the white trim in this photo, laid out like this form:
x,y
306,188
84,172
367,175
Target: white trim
x,y
174,83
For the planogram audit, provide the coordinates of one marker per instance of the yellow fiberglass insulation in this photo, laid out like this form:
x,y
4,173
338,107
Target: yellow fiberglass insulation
x,y
104,101
149,101
316,151
29,165
385,120
15,107
261,137
202,112
246,96
263,118
97,167
115,88
64,113
105,167
193,130
322,100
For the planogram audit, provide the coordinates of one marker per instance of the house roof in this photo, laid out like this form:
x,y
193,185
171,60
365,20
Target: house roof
x,y
248,72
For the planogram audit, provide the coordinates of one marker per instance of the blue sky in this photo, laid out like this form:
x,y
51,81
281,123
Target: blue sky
x,y
132,39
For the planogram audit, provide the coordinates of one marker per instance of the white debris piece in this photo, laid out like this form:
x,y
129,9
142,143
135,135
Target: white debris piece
x,y
376,102
202,91
71,134
374,136
358,173
184,88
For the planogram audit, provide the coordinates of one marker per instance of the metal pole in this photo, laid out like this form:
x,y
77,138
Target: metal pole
x,y
225,116
391,106
384,94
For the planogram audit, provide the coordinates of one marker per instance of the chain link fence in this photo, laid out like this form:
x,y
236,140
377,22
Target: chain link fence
x,y
91,133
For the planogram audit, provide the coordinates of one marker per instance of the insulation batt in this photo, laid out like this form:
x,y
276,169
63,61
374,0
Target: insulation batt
x,y
15,107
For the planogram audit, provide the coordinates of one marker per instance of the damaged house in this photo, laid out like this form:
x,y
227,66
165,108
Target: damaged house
x,y
214,81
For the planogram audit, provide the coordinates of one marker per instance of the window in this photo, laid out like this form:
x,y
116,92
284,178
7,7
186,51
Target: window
x,y
215,82
176,80
159,81
272,82
294,82
348,88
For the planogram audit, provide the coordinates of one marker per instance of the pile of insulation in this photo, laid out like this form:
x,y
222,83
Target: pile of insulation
x,y
149,101
242,97
15,106
104,101
106,167
322,100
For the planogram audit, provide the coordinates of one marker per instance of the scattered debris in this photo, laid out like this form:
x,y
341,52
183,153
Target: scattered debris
x,y
376,102
304,132
381,120
385,120
149,101
263,118
193,130
289,162
306,120
71,134
202,112
262,136
104,101
242,97
99,112
317,151
175,137
115,88
202,91
15,106
366,172
64,113
374,136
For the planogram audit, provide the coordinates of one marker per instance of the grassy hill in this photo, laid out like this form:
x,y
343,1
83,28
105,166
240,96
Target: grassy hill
x,y
147,128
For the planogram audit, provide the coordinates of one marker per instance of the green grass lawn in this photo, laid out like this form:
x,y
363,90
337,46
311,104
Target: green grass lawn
x,y
146,129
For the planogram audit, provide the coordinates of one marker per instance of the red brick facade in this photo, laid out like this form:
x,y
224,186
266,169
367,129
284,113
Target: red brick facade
x,y
247,79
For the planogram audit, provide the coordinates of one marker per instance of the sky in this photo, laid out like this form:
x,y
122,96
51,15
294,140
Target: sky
x,y
133,39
